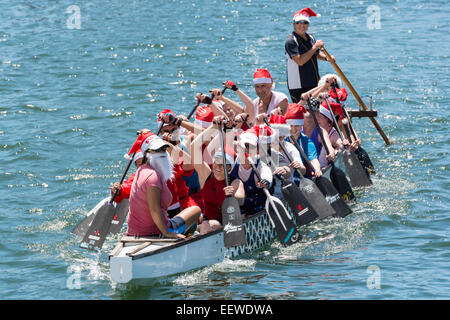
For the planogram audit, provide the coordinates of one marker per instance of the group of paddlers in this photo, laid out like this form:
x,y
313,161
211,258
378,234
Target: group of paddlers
x,y
187,169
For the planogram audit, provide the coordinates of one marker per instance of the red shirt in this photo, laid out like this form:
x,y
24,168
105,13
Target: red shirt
x,y
124,192
213,196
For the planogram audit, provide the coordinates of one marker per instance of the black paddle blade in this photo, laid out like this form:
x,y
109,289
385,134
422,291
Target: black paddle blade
x,y
120,216
316,198
282,222
82,227
300,207
357,174
96,234
233,231
333,197
340,182
365,161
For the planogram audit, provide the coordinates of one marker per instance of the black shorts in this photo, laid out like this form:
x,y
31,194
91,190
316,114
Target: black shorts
x,y
297,93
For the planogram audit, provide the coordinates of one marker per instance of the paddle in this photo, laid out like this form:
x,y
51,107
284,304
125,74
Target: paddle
x,y
278,215
312,194
82,227
327,188
99,228
357,97
362,154
233,231
338,177
358,176
355,172
303,210
119,217
297,200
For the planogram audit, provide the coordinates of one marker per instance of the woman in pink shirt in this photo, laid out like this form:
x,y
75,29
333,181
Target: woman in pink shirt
x,y
150,197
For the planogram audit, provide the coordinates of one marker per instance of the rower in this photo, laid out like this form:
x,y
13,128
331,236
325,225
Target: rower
x,y
150,196
310,130
124,189
268,100
325,120
215,190
243,170
212,176
278,123
188,178
295,118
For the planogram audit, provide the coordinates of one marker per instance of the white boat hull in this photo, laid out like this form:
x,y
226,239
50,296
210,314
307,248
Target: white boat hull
x,y
159,259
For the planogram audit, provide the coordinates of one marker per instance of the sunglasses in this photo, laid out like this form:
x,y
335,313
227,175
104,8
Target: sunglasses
x,y
301,22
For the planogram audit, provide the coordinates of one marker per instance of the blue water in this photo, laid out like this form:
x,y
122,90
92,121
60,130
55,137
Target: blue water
x,y
72,99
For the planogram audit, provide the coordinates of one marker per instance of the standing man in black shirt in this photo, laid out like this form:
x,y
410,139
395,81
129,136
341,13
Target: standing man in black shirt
x,y
302,52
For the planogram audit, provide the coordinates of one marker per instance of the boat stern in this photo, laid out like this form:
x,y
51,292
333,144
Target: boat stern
x,y
121,269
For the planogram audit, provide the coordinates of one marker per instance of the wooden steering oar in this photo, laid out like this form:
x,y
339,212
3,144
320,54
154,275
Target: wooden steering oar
x,y
357,97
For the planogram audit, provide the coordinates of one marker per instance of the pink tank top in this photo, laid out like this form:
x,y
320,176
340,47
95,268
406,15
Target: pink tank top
x,y
140,221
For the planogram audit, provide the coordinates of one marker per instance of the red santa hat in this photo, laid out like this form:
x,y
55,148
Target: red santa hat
x,y
295,114
325,110
230,155
249,136
153,143
136,147
262,76
278,123
304,14
335,107
341,95
204,116
265,133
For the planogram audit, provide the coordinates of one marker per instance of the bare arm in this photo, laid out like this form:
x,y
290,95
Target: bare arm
x,y
301,59
239,193
153,197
